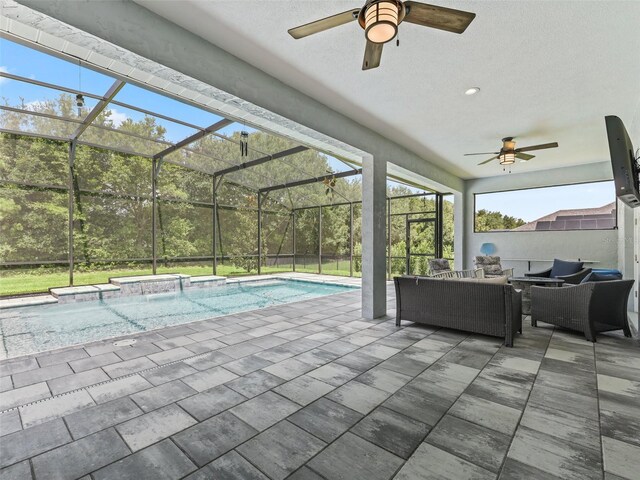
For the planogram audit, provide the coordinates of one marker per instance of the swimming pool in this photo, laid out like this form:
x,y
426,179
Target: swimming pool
x,y
33,329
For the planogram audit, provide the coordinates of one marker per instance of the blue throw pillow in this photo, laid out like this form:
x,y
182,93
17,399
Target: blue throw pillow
x,y
561,268
601,277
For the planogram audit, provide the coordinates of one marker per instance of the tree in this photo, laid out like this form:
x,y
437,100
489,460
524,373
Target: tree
x,y
487,221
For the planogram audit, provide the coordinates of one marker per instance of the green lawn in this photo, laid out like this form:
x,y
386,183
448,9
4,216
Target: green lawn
x,y
37,281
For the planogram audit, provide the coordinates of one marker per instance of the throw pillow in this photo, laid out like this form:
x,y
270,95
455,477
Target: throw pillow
x,y
561,268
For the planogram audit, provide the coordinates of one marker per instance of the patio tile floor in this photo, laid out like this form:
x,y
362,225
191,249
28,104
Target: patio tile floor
x,y
311,391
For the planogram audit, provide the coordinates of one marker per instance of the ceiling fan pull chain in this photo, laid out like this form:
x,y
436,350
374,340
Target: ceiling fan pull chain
x,y
398,39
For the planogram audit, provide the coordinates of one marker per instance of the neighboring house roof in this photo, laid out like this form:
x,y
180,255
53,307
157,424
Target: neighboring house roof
x,y
576,219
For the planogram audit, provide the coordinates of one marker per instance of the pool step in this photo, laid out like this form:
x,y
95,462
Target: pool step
x,y
85,293
29,301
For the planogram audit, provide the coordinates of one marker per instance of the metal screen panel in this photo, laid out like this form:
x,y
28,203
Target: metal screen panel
x,y
112,230
277,241
335,240
102,170
31,123
238,241
307,240
33,160
179,183
33,225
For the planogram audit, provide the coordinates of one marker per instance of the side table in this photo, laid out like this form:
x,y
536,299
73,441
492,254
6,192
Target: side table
x,y
525,283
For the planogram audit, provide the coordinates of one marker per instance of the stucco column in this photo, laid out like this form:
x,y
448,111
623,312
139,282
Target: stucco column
x,y
374,192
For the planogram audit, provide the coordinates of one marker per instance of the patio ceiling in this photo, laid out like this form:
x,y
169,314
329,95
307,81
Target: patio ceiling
x,y
548,71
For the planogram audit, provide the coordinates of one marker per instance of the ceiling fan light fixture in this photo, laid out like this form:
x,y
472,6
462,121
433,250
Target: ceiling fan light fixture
x,y
507,158
472,91
381,21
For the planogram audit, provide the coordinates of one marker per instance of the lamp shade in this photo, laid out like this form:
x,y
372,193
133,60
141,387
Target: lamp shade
x,y
381,21
507,158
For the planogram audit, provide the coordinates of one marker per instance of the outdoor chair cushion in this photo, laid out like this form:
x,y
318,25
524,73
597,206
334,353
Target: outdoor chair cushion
x,y
561,268
601,277
489,263
438,265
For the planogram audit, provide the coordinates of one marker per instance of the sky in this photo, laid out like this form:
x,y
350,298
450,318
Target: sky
x,y
534,203
23,61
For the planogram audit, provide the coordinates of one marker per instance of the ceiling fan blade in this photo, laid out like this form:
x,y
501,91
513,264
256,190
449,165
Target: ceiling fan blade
x,y
372,54
442,18
324,24
524,156
483,153
537,147
487,161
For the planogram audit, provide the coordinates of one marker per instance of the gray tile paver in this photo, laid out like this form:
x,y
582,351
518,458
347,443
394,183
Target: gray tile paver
x,y
209,378
162,461
83,456
211,402
231,466
10,422
392,431
41,375
19,471
119,388
41,412
93,419
265,410
303,389
281,450
77,380
162,395
356,459
20,396
429,462
325,419
142,431
214,437
33,441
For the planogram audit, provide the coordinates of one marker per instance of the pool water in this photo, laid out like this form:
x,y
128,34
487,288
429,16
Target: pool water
x,y
44,327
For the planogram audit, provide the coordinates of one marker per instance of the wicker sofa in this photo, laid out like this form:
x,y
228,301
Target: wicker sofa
x,y
471,305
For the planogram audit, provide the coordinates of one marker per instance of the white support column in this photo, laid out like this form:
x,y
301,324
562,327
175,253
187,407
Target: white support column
x,y
459,233
374,189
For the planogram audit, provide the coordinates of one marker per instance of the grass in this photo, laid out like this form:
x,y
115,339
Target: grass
x,y
40,280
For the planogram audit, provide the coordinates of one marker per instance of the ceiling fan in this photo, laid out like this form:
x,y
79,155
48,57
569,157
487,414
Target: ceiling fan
x,y
380,20
508,153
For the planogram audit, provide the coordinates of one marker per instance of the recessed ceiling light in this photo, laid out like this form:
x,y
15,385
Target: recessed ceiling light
x,y
472,91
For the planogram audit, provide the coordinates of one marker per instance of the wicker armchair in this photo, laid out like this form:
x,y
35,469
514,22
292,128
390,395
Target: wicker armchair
x,y
491,266
589,308
560,269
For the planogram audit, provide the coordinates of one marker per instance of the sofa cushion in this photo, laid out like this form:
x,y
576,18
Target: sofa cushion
x,y
601,277
561,268
501,280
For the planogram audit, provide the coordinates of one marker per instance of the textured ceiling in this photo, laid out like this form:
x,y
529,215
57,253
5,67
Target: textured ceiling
x,y
548,71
